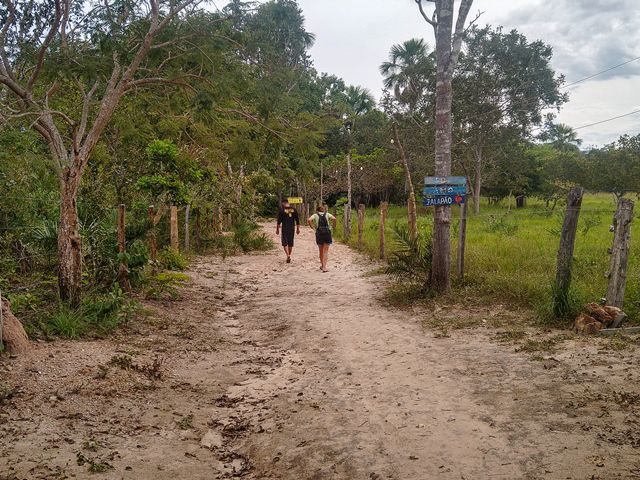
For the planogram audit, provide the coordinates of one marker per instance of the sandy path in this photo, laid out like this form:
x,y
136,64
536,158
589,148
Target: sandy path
x,y
369,395
279,371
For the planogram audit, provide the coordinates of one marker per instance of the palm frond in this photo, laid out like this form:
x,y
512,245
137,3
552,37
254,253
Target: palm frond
x,y
411,259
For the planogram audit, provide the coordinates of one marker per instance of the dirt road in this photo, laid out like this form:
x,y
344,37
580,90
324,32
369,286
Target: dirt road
x,y
271,370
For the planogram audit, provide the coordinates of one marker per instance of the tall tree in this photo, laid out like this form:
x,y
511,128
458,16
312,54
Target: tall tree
x,y
52,48
359,102
448,45
561,136
505,83
408,71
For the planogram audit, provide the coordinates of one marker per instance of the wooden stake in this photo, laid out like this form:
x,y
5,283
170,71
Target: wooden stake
x,y
620,253
347,207
197,230
153,245
565,252
123,270
360,226
175,241
383,216
411,197
187,213
462,240
219,219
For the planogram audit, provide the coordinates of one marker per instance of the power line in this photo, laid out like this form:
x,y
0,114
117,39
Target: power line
x,y
600,73
607,120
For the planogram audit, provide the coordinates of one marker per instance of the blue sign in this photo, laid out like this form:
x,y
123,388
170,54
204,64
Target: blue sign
x,y
443,200
445,180
445,190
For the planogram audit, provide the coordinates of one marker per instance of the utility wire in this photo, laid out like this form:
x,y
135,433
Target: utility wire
x,y
607,120
600,73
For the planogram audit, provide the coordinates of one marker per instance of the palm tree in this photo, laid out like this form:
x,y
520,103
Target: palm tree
x,y
408,69
359,100
562,137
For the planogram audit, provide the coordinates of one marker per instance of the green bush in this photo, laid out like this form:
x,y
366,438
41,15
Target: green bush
x,y
172,260
67,322
136,257
247,238
410,259
97,315
164,286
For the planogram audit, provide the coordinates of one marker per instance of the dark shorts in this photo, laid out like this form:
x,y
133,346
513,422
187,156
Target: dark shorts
x,y
324,237
287,238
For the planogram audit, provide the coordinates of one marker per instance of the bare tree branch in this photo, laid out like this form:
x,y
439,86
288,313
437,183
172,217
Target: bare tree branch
x,y
63,27
431,21
5,65
474,21
86,106
456,46
53,31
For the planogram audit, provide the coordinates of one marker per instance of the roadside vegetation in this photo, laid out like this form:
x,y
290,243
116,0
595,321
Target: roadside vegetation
x,y
511,253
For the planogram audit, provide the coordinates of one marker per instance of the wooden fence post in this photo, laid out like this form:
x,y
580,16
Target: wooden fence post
x,y
565,252
383,216
175,241
361,226
620,253
197,230
153,245
462,240
123,270
187,213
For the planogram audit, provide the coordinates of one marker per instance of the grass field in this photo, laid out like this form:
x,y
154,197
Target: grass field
x,y
511,255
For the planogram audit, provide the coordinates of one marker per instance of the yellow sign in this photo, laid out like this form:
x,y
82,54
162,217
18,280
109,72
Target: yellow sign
x,y
294,200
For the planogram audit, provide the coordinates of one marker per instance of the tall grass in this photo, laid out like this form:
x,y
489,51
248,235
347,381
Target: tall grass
x,y
511,253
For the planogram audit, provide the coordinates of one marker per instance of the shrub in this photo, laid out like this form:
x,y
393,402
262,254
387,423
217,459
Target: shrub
x,y
164,285
247,238
96,315
171,259
136,257
67,323
411,259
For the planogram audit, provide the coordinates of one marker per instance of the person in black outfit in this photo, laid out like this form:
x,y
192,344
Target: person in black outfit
x,y
288,218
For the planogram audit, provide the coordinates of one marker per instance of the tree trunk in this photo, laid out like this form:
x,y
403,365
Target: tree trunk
x,y
347,207
411,198
69,244
477,181
441,265
447,52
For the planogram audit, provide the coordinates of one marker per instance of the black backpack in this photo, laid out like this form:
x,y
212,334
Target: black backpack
x,y
323,224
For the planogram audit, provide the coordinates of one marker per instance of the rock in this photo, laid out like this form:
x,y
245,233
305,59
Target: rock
x,y
13,335
211,439
587,324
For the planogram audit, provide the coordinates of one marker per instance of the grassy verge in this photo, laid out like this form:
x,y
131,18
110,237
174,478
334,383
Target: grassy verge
x,y
511,253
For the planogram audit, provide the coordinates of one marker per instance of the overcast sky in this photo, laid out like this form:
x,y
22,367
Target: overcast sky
x,y
353,38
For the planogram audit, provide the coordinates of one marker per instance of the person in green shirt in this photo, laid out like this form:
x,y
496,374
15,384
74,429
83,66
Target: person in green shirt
x,y
321,222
